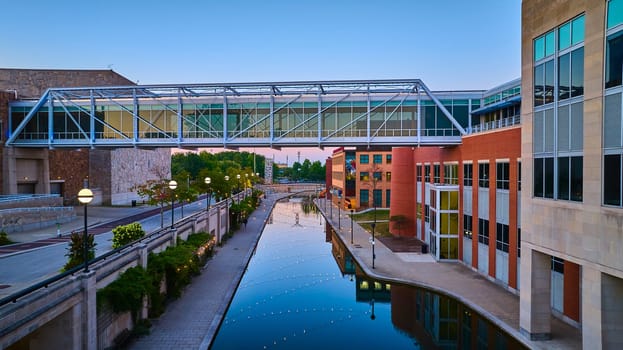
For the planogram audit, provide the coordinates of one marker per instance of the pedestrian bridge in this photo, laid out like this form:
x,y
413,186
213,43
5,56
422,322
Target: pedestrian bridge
x,y
289,114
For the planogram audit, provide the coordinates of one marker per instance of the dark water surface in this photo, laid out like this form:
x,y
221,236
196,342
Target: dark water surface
x,y
302,290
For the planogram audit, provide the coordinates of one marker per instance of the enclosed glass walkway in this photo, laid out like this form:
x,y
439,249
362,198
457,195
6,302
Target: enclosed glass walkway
x,y
290,114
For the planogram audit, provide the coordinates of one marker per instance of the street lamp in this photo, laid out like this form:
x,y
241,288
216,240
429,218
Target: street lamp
x,y
245,183
238,185
339,224
172,187
227,206
85,196
351,225
208,181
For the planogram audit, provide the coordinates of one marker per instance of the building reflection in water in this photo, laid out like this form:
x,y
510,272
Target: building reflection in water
x,y
432,320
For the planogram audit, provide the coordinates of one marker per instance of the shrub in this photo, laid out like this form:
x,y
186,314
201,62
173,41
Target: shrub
x,y
122,235
4,238
75,251
126,293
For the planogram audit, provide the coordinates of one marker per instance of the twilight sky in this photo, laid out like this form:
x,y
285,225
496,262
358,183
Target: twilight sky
x,y
449,44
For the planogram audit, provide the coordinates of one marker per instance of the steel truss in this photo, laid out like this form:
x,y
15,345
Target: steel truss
x,y
289,114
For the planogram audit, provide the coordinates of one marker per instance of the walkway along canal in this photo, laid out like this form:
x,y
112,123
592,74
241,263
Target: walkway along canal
x,y
303,290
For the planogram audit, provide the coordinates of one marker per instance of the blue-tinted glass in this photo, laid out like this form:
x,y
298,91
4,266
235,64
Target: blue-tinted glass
x,y
614,60
548,175
363,197
577,72
563,178
549,81
538,84
564,36
550,46
576,178
364,159
539,48
615,13
538,177
577,30
612,181
563,77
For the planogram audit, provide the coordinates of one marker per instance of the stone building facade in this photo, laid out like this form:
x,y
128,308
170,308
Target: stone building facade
x,y
110,173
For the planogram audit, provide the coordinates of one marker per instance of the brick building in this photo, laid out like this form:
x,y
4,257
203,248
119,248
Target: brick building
x,y
110,173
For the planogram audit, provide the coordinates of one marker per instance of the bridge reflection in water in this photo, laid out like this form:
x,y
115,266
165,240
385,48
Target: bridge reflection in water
x,y
303,290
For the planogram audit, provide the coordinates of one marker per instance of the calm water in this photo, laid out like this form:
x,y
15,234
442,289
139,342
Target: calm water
x,y
303,291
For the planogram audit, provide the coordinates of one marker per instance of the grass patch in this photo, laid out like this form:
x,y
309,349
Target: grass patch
x,y
382,229
369,216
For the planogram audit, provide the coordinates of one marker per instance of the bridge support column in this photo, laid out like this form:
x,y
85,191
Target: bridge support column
x,y
143,255
89,311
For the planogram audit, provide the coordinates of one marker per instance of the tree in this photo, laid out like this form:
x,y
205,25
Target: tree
x,y
75,251
122,235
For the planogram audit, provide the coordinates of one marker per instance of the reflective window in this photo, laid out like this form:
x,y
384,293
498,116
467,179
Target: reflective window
x,y
426,173
364,176
577,72
378,198
388,158
467,226
418,171
483,175
468,171
501,237
615,13
377,158
483,231
564,79
436,173
364,159
564,36
539,48
364,197
612,179
502,176
378,176
614,60
577,30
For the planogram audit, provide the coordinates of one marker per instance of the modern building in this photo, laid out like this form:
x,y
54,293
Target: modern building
x,y
362,179
110,173
572,147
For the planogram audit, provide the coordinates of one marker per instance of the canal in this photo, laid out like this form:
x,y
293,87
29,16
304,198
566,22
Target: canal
x,y
302,290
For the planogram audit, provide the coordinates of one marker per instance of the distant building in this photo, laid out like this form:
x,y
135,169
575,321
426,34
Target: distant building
x,y
111,174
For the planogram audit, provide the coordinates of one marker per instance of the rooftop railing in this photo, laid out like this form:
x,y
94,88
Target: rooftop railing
x,y
495,124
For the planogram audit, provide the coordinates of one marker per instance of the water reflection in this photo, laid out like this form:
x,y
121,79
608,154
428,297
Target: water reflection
x,y
303,290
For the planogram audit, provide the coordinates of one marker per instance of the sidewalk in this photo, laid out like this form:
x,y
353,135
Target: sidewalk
x,y
454,279
191,322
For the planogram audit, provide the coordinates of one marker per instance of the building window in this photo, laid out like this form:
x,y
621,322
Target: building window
x,y
387,198
614,59
615,13
501,237
364,197
518,176
388,176
436,173
388,158
377,158
378,176
467,226
364,176
558,265
502,177
426,213
426,173
451,174
612,179
364,159
468,173
483,175
418,172
558,129
483,231
377,196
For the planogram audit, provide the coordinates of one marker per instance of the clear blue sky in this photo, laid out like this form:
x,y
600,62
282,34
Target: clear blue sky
x,y
449,44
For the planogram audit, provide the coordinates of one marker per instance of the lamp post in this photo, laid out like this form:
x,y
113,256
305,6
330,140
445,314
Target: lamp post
x,y
172,187
238,185
208,181
245,183
339,222
351,225
227,206
85,196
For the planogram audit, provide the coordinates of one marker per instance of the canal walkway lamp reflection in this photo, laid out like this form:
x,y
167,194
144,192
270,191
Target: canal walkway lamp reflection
x,y
85,196
172,187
